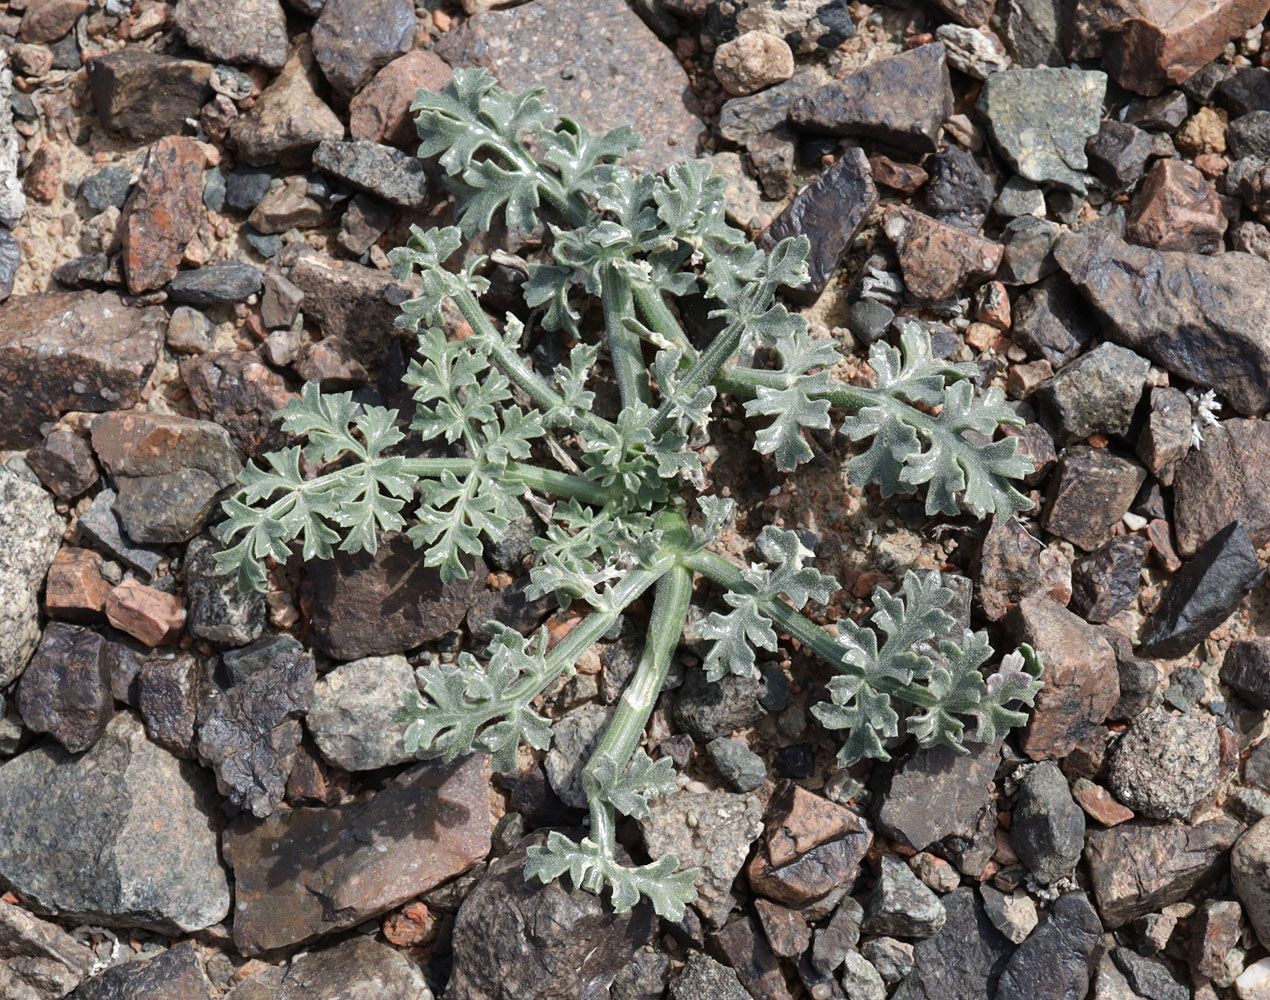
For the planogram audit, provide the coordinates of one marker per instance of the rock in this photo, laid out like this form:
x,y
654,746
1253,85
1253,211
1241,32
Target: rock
x,y
1216,936
973,51
1106,581
742,945
937,261
380,111
1019,197
1203,593
241,393
288,119
144,95
288,206
363,223
30,532
1146,45
710,830
702,976
643,978
189,331
744,119
1048,829
168,471
752,61
1027,256
1014,916
901,100
1250,873
1060,959
1148,978
1118,154
1249,135
99,527
1166,438
175,972
786,930
892,959
1068,101
1141,866
708,710
353,705
244,31
1099,804
1218,483
838,937
960,781
599,63
245,187
251,733
65,690
387,602
217,609
380,170
828,212
965,959
1246,669
38,960
1051,322
1198,316
901,906
959,192
1165,765
352,40
249,660
818,26
1097,393
1176,209
10,259
162,213
124,834
358,966
63,351
49,20
147,614
740,766
1081,681
1035,31
310,871
75,589
64,463
215,284
171,694
1091,490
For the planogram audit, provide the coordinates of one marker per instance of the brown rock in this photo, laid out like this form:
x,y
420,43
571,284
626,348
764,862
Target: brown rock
x,y
145,613
1160,536
43,177
938,260
1141,866
38,960
959,782
1090,492
381,110
745,950
64,463
65,690
75,590
241,393
62,351
170,694
235,31
1099,803
1149,44
162,213
1011,564
287,207
1224,481
787,932
49,20
1216,931
1246,670
307,872
331,364
1176,208
906,177
1166,438
144,95
971,13
1082,683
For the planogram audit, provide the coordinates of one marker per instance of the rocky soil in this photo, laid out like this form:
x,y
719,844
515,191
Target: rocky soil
x,y
201,794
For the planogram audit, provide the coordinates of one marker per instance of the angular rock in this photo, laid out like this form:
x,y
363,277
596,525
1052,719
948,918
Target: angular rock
x,y
599,63
176,972
1048,828
353,39
575,738
1249,135
1091,490
1081,681
217,608
959,781
49,20
124,834
838,937
144,95
1068,102
959,192
363,222
1165,765
901,100
744,119
1220,482
62,351
306,872
1051,322
1246,669
1140,866
64,463
380,112
153,616
38,960
241,393
10,259
901,906
65,690
702,976
786,930
1014,916
1060,959
1176,209
817,26
1203,593
30,531
171,693
353,705
1166,438
356,967
965,959
215,284
75,589
251,733
1199,316
241,31
1250,873
1011,564
99,527
243,663
937,261
1148,978
288,206
1028,254
1106,581
828,212
740,766
1118,154
742,945
1216,935
288,119
380,170
708,710
162,213
1097,393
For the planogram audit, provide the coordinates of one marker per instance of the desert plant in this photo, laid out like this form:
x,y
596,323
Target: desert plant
x,y
632,509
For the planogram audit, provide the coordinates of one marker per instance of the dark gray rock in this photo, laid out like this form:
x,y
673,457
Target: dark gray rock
x,y
1060,959
358,966
124,834
1051,321
107,187
1106,581
702,976
245,187
745,118
1203,593
1148,977
1249,135
1096,393
643,978
1165,765
1019,197
1118,154
1028,254
217,609
1247,90
1090,491
65,690
839,936
176,972
959,192
215,284
959,782
87,271
30,533
99,528
1048,829
64,463
739,766
10,258
1246,669
243,663
1035,31
1220,482
381,170
352,39
1158,114
171,693
707,710
901,905
515,938
868,320
1186,688
965,959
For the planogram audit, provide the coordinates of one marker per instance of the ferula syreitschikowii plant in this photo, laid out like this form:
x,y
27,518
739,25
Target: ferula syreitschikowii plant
x,y
625,503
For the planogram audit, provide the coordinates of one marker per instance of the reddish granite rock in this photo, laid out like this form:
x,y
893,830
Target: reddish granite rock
x,y
306,872
1216,931
145,613
786,930
1224,481
241,393
1011,564
1082,684
938,260
62,351
381,110
162,213
49,20
1176,208
75,590
1091,490
1100,804
43,177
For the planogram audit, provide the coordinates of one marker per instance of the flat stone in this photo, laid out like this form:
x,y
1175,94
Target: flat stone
x,y
241,393
965,959
352,39
215,284
1091,490
1141,866
937,261
1219,482
1147,977
144,95
176,972
1069,104
744,119
1176,209
30,532
353,705
598,62
1106,581
162,213
1048,828
38,960
901,100
960,782
65,690
124,835
1099,804
1060,959
153,616
306,872
1203,593
99,527
380,170
380,111
786,930
288,206
171,695
64,463
838,937
1014,915
62,351
75,589
240,31
1081,681
1199,316
828,212
356,967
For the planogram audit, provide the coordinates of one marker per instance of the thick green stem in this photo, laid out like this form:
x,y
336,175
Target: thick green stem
x,y
560,484
652,307
703,373
624,346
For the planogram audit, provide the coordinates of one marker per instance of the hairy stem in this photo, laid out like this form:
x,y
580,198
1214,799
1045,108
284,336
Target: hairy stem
x,y
657,314
624,346
703,373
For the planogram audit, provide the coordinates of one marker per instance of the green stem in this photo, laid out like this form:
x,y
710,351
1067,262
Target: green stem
x,y
624,346
703,373
560,484
657,314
